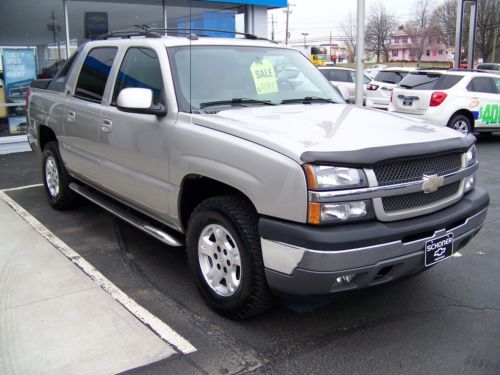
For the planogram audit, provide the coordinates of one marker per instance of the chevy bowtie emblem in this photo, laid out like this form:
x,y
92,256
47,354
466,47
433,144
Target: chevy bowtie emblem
x,y
432,182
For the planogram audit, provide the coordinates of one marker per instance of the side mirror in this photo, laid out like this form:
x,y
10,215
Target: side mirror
x,y
139,100
344,92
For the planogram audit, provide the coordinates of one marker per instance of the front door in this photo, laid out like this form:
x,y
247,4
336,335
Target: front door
x,y
136,146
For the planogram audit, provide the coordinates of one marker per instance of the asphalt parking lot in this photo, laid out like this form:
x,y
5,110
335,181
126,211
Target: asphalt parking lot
x,y
444,321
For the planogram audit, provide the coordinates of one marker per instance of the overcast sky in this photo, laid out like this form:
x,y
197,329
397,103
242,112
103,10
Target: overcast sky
x,y
320,17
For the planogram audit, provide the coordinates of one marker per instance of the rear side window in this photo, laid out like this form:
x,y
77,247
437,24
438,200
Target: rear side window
x,y
481,84
429,81
496,82
59,80
140,68
340,75
390,77
94,74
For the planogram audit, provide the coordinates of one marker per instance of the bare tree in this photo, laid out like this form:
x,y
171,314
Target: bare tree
x,y
488,16
379,28
349,30
445,18
421,28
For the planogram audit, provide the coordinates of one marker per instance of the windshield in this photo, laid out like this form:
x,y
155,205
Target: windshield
x,y
244,76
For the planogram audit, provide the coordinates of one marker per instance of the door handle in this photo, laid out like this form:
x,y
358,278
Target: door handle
x,y
70,116
106,125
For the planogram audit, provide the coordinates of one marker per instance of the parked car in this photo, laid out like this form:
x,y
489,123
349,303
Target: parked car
x,y
493,67
462,100
345,78
374,69
378,91
273,185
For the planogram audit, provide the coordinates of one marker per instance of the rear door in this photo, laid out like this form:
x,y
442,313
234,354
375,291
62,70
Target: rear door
x,y
485,96
83,111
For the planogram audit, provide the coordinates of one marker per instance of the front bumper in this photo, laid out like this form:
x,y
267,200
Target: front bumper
x,y
307,260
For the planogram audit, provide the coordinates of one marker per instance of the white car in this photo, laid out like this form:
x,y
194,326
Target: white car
x,y
345,78
374,69
378,92
462,100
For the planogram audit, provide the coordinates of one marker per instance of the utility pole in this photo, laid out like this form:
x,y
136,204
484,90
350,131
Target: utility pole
x,y
287,11
305,35
54,27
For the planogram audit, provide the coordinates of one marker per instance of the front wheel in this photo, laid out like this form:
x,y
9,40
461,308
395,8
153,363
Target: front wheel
x,y
225,257
460,123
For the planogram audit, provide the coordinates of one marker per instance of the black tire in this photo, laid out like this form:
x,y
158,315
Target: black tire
x,y
59,195
460,123
238,218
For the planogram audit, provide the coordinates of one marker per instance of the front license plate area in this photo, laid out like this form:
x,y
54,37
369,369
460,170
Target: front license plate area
x,y
438,249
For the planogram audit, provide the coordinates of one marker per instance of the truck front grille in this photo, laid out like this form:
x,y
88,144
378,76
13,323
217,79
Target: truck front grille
x,y
401,171
419,199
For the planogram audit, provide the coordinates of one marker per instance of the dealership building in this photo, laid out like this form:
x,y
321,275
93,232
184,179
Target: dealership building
x,y
37,35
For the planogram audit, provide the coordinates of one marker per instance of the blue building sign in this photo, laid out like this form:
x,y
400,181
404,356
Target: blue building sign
x,y
19,69
265,3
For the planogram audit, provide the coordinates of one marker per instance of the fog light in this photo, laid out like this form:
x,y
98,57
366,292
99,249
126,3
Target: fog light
x,y
469,183
345,279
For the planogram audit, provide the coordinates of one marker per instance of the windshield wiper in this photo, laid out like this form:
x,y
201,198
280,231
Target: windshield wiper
x,y
235,101
307,100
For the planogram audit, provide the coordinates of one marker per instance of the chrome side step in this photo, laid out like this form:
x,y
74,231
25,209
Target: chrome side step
x,y
125,215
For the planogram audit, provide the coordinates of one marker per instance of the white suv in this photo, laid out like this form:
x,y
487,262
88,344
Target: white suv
x,y
463,100
378,92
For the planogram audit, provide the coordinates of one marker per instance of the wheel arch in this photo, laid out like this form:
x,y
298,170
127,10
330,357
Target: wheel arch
x,y
196,188
45,135
466,113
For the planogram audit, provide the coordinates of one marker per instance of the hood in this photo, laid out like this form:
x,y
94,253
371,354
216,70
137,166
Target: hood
x,y
329,129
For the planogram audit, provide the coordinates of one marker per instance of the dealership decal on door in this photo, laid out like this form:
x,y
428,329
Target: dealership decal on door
x,y
489,114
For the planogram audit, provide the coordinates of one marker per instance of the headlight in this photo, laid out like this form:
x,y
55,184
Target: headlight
x,y
320,213
470,156
321,177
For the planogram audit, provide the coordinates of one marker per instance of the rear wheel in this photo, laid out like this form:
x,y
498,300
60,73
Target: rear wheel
x,y
460,123
56,179
225,257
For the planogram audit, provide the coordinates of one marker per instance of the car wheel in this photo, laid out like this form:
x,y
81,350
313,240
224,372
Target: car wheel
x,y
460,123
225,257
56,179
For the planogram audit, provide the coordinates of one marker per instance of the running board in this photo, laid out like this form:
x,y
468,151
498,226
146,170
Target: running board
x,y
126,215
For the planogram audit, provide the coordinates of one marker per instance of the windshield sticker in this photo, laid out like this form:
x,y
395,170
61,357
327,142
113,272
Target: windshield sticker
x,y
489,114
264,77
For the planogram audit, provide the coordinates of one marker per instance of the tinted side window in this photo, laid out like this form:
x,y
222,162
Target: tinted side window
x,y
140,68
496,83
340,76
481,84
366,80
58,82
94,74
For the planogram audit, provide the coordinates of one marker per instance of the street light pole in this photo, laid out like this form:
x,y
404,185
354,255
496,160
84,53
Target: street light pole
x,y
360,51
305,35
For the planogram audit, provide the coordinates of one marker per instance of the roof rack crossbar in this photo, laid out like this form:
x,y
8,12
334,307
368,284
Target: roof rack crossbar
x,y
155,32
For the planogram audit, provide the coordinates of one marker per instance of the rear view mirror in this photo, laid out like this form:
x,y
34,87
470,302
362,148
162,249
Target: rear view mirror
x,y
139,100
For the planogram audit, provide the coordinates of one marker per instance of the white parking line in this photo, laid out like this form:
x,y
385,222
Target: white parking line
x,y
156,325
22,187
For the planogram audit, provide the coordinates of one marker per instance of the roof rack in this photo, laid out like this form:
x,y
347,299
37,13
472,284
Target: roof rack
x,y
156,32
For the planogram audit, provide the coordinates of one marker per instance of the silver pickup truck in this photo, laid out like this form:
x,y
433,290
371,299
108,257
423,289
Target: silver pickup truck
x,y
240,150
